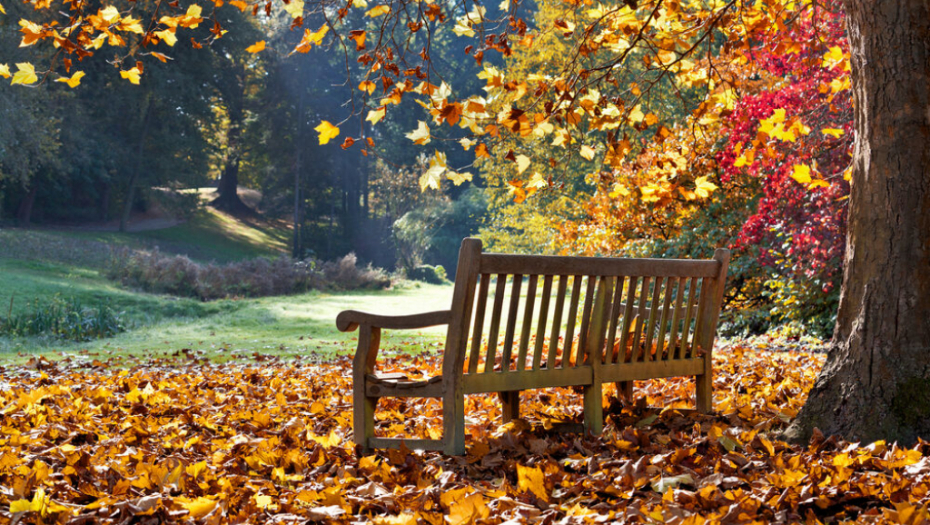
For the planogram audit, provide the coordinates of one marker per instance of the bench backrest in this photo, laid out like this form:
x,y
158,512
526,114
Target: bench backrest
x,y
545,312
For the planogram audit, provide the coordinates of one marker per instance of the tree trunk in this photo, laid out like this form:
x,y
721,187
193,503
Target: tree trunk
x,y
876,380
137,166
228,187
24,214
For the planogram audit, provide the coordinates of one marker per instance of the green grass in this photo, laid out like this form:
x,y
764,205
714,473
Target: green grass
x,y
285,326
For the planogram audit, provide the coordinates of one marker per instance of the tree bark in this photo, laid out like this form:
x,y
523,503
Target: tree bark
x,y
137,166
228,187
24,213
876,380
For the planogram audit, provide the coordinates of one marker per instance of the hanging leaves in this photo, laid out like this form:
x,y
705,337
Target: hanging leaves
x,y
326,132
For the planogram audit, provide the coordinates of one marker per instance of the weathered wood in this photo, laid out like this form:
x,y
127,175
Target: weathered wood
x,y
557,322
512,311
481,303
596,266
670,282
639,353
453,397
412,444
493,334
527,322
653,314
628,321
600,319
527,380
676,320
572,316
541,326
705,382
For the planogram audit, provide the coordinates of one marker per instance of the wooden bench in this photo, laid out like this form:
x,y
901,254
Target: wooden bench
x,y
565,321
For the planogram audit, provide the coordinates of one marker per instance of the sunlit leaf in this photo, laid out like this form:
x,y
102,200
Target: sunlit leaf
x,y
257,46
326,132
25,74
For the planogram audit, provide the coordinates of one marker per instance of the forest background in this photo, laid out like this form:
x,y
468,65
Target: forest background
x,y
751,151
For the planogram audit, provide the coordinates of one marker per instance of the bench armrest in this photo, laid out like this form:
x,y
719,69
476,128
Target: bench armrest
x,y
349,320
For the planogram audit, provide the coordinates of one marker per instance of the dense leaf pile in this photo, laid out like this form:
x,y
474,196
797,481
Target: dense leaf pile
x,y
270,442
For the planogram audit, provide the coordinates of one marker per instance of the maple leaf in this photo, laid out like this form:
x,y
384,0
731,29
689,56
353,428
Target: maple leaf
x,y
256,47
801,174
74,81
532,480
421,135
380,10
311,38
167,36
2,10
523,162
703,187
587,152
326,132
295,8
5,71
25,74
459,178
375,115
132,75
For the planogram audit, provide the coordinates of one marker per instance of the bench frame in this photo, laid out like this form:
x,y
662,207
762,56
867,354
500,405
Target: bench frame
x,y
604,313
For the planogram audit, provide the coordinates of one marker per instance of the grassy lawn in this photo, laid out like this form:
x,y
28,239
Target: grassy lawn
x,y
289,325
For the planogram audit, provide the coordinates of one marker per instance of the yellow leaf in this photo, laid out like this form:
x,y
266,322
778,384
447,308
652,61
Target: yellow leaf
x,y
802,174
523,162
5,71
537,181
263,501
468,510
375,115
25,74
242,6
110,14
636,115
167,36
405,518
458,178
22,505
132,74
256,47
295,8
420,135
532,479
311,38
74,81
832,132
197,507
2,10
378,11
818,183
367,86
703,187
327,132
833,57
467,143
432,177
587,152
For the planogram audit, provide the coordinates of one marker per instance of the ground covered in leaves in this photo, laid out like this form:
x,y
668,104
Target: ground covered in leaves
x,y
270,442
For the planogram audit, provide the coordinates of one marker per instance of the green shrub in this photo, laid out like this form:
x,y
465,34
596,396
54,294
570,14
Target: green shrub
x,y
429,274
65,318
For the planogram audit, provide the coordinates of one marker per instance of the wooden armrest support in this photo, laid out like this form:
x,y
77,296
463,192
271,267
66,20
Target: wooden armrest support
x,y
349,320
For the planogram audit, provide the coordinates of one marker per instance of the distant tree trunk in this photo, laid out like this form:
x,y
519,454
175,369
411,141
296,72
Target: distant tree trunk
x,y
228,187
876,381
24,214
137,166
104,205
296,252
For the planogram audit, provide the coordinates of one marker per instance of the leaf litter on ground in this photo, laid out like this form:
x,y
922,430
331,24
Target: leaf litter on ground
x,y
269,441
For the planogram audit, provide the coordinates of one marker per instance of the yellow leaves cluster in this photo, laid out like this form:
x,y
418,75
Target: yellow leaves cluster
x,y
269,441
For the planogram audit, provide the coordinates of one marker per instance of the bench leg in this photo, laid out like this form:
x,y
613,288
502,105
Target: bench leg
x,y
593,409
705,393
363,420
453,423
510,405
625,390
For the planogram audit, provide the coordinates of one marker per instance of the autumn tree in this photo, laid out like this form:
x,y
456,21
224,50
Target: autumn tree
x,y
876,383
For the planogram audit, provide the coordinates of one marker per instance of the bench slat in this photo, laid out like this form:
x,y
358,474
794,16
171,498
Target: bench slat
x,y
616,301
651,369
653,314
412,444
670,283
543,318
570,330
628,319
686,331
676,320
495,323
527,322
527,379
638,352
581,351
512,311
481,302
557,321
597,266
